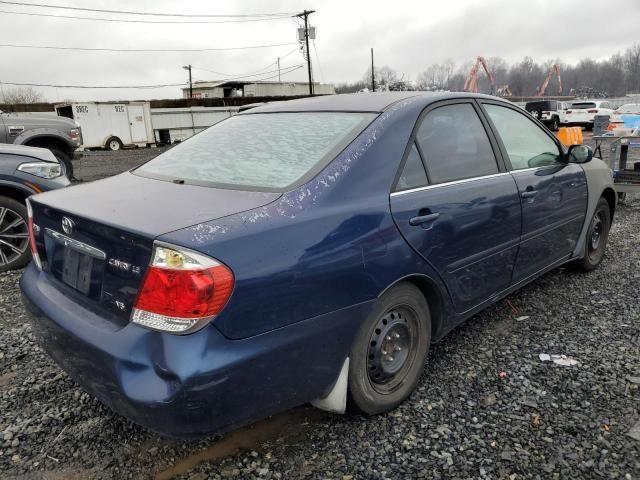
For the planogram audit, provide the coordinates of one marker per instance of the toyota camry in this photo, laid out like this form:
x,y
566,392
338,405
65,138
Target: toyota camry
x,y
304,251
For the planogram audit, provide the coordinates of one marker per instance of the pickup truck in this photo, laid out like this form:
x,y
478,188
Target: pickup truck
x,y
62,136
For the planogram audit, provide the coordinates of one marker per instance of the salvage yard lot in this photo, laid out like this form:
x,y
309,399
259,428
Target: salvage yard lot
x,y
487,406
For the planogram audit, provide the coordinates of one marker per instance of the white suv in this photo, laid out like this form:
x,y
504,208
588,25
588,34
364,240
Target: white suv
x,y
581,114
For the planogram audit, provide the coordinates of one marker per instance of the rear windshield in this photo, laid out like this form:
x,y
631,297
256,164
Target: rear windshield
x,y
583,105
268,151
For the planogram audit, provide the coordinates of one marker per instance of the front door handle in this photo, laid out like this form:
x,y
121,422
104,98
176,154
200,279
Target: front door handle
x,y
529,193
422,219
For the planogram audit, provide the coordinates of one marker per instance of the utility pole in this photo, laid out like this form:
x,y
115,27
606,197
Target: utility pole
x,y
305,15
278,69
188,67
373,74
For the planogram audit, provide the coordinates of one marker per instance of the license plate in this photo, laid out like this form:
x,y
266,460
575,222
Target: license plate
x,y
76,270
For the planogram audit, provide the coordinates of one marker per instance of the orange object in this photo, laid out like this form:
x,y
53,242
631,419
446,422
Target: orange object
x,y
570,136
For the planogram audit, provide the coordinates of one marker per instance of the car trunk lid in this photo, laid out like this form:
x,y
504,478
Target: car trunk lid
x,y
96,240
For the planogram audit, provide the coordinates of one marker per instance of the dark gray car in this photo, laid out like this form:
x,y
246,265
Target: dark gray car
x,y
24,171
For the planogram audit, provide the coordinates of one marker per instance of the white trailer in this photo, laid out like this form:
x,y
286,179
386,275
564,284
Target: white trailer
x,y
176,124
111,125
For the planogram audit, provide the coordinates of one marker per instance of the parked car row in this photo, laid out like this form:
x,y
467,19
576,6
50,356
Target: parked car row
x,y
555,114
305,251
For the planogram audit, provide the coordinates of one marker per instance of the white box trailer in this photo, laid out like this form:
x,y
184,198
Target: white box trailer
x,y
111,125
177,124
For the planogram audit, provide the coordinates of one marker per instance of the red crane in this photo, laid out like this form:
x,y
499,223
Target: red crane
x,y
555,68
471,84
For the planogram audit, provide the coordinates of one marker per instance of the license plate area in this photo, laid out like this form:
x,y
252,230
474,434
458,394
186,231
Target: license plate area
x,y
76,264
77,269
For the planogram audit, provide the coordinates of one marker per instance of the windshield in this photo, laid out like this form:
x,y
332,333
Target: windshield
x,y
260,151
583,105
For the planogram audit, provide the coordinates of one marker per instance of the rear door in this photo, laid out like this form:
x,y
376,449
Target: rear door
x,y
136,123
553,193
455,204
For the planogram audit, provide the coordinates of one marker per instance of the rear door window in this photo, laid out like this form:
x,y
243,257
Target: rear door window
x,y
527,145
261,151
454,144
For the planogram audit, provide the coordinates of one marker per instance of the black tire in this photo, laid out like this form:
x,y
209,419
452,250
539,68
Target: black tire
x,y
555,124
113,144
597,235
390,350
14,245
65,161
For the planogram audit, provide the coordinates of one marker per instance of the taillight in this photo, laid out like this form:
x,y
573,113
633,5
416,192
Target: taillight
x,y
182,291
592,111
34,231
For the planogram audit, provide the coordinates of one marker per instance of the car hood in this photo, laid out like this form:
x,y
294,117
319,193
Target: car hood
x,y
34,120
151,207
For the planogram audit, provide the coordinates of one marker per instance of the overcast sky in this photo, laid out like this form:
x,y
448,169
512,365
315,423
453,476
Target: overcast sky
x,y
407,35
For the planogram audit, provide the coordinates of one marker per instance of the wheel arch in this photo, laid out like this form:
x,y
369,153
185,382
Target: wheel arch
x,y
610,196
434,297
18,193
49,141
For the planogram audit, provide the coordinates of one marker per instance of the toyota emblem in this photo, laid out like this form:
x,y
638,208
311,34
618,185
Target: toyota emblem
x,y
67,225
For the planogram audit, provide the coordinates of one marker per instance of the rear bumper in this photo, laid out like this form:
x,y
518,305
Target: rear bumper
x,y
192,385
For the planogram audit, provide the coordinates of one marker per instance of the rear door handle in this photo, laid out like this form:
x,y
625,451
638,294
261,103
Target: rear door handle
x,y
422,219
529,193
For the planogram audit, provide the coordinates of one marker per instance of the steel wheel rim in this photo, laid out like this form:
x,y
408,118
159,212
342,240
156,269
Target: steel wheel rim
x,y
14,236
391,352
114,145
597,232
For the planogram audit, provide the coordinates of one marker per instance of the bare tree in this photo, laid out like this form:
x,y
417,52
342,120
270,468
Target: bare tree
x,y
21,95
632,63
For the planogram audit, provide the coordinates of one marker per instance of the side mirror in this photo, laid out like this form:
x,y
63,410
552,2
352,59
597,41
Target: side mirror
x,y
580,154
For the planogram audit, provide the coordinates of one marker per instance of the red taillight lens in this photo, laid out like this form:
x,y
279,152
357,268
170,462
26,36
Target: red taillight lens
x,y
592,111
185,293
182,291
32,237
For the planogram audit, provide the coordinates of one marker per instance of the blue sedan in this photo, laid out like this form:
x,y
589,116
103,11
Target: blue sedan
x,y
304,251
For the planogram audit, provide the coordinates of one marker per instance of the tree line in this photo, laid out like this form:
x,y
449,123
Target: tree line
x,y
616,76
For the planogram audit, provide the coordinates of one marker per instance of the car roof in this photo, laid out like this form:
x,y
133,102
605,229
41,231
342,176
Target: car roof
x,y
355,102
34,152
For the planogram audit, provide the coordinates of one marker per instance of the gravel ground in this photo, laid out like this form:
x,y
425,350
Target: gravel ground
x,y
94,165
486,407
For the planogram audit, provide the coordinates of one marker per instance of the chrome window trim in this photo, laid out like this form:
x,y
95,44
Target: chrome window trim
x,y
76,245
453,182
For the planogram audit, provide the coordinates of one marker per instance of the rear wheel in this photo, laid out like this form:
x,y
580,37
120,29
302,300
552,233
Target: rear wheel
x,y
597,235
555,124
390,350
14,234
114,144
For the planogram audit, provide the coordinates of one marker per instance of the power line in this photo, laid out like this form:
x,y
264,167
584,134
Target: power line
x,y
255,74
90,49
261,70
93,86
163,22
22,84
154,14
